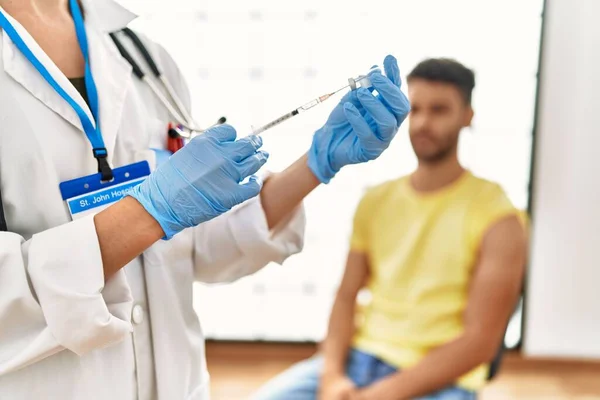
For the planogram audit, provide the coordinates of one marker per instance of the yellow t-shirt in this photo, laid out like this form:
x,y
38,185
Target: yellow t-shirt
x,y
422,248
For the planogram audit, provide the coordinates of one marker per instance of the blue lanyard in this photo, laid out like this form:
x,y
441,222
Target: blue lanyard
x,y
94,134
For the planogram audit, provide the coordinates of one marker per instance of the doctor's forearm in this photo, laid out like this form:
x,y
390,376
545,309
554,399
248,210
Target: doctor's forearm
x,y
124,231
283,192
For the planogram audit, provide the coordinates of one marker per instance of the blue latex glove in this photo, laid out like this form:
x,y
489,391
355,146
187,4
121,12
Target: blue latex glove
x,y
361,126
202,180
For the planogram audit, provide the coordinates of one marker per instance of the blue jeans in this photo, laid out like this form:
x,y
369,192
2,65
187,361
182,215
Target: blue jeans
x,y
301,381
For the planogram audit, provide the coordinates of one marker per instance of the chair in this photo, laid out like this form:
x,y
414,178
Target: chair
x,y
496,362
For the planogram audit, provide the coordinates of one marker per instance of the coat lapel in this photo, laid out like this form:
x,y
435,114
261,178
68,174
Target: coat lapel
x,y
17,66
113,80
111,73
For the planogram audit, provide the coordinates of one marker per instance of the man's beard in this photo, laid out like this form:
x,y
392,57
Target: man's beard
x,y
443,151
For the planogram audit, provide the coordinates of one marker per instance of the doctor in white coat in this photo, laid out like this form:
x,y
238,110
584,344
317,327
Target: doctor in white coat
x,y
100,307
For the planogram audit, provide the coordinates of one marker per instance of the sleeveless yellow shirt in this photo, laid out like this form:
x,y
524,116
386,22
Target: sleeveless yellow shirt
x,y
422,248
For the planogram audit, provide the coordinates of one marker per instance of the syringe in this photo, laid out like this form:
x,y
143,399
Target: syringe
x,y
295,112
353,84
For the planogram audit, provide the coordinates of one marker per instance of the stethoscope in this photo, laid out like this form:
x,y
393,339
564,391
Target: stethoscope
x,y
185,125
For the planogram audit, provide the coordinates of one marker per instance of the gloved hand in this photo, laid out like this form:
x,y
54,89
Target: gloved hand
x,y
202,180
361,126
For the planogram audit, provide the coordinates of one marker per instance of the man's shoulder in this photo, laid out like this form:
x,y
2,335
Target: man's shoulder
x,y
489,196
485,189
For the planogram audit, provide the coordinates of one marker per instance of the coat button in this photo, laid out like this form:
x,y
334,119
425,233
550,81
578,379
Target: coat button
x,y
137,314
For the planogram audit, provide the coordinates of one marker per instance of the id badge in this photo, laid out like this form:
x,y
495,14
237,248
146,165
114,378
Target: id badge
x,y
89,195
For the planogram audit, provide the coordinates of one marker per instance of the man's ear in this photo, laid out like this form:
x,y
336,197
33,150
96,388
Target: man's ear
x,y
468,117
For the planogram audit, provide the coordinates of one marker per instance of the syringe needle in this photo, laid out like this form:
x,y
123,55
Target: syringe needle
x,y
340,89
328,95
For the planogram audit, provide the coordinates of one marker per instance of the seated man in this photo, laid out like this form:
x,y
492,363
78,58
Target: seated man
x,y
442,253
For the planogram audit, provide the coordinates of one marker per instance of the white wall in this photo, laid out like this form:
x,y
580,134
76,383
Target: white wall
x,y
563,296
237,58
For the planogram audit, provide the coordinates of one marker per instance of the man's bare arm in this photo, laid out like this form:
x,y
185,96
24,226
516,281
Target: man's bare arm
x,y
341,322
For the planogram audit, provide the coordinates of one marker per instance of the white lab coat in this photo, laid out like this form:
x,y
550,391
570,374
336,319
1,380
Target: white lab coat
x,y
64,334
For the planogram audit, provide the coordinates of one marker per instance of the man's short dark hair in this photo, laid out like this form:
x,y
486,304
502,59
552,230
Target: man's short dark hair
x,y
448,71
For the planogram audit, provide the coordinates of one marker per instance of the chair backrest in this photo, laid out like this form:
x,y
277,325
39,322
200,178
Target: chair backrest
x,y
496,362
3,226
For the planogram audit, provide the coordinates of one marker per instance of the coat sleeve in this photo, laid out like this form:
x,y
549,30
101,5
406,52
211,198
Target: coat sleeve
x,y
239,243
53,296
